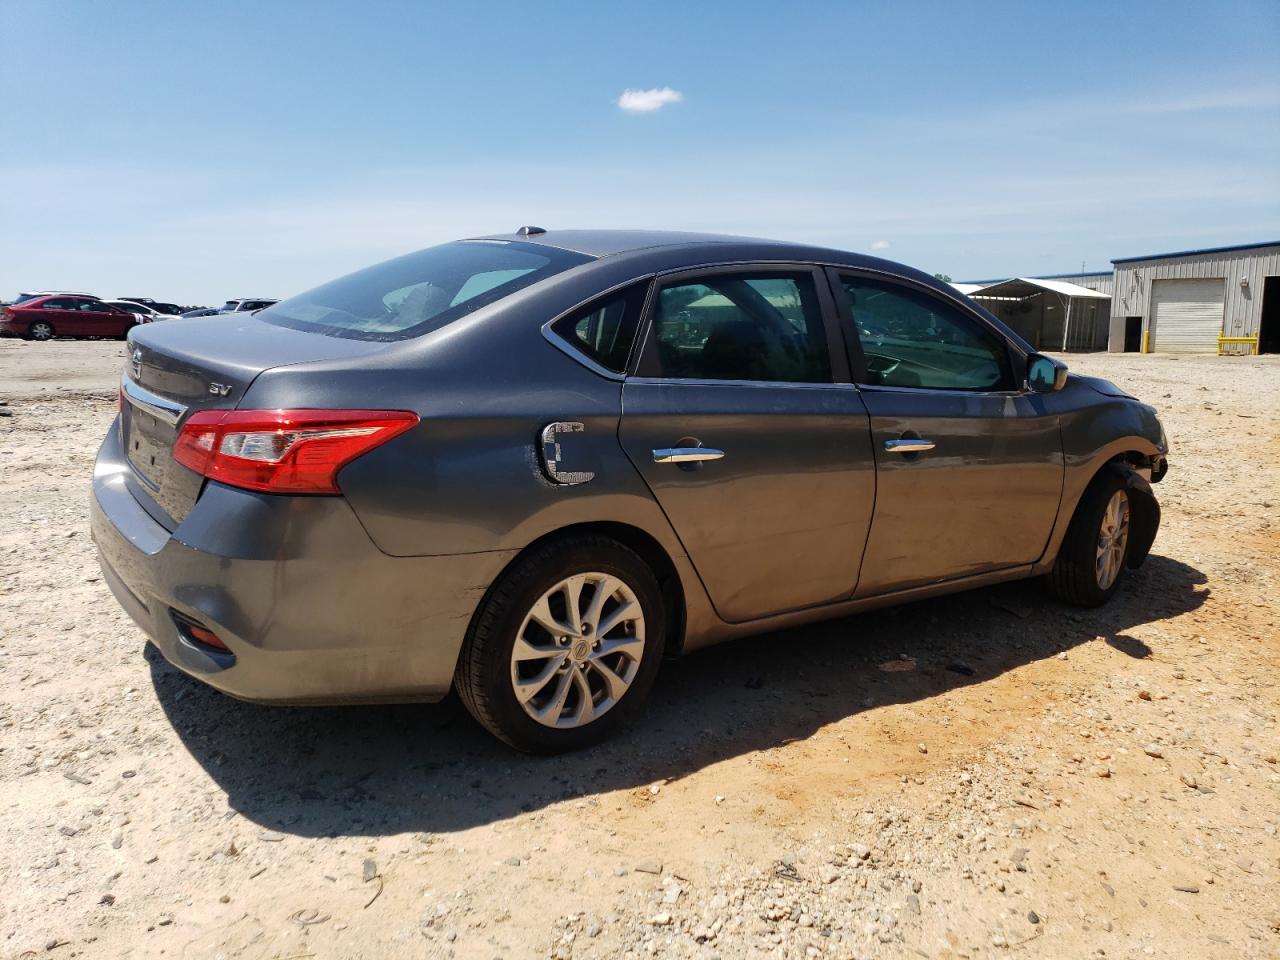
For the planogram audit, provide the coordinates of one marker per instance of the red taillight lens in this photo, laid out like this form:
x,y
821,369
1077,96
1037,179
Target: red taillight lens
x,y
284,451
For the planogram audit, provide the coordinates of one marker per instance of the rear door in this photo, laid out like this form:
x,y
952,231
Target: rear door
x,y
62,312
969,466
751,438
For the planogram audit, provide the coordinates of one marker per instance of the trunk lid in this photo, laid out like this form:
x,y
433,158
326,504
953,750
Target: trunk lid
x,y
179,367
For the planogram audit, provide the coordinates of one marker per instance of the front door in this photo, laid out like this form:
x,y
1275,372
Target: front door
x,y
760,458
969,467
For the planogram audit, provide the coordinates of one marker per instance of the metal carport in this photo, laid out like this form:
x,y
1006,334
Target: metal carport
x,y
1050,314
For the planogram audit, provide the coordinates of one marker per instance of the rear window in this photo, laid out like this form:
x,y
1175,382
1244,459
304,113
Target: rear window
x,y
420,292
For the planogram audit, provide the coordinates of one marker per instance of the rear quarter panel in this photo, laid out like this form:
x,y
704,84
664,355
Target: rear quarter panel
x,y
469,477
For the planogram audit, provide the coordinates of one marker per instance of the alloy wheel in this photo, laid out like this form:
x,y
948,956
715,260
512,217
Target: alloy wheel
x,y
578,650
41,331
1113,539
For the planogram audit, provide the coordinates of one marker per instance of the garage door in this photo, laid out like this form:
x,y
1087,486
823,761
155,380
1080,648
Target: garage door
x,y
1186,315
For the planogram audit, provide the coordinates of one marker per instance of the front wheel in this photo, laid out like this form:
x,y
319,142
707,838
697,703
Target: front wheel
x,y
1092,558
565,646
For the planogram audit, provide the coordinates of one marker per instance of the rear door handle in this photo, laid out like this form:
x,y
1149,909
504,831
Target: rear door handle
x,y
686,454
909,445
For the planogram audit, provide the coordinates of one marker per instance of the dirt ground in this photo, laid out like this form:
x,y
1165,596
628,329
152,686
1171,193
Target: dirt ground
x,y
983,775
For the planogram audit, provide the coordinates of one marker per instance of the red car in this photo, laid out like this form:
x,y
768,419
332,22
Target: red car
x,y
65,315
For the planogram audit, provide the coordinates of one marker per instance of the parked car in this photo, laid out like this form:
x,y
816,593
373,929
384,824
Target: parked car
x,y
145,313
246,305
24,297
201,312
159,306
63,315
528,467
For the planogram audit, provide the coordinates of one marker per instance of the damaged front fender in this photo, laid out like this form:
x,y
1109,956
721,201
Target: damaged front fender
x,y
1144,519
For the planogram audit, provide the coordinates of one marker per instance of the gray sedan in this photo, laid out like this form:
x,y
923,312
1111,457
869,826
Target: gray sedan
x,y
529,467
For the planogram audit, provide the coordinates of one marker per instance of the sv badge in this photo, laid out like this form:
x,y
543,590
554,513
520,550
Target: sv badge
x,y
220,389
553,453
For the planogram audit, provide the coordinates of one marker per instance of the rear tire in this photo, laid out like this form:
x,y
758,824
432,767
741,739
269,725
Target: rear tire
x,y
1092,559
40,330
577,684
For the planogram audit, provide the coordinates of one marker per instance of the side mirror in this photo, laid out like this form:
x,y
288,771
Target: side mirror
x,y
1045,374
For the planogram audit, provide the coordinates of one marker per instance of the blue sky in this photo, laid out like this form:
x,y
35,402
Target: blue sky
x,y
201,151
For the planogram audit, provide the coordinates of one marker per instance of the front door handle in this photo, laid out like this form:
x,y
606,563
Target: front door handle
x,y
909,445
686,454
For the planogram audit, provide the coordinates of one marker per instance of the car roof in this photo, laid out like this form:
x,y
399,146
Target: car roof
x,y
605,243
673,247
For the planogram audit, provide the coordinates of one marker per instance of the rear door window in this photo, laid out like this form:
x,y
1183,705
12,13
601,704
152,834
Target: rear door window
x,y
739,326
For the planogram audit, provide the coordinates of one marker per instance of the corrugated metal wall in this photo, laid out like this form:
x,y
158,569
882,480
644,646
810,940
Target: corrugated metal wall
x,y
1131,296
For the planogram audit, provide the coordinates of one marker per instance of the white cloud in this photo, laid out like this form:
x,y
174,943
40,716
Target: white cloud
x,y
647,101
880,245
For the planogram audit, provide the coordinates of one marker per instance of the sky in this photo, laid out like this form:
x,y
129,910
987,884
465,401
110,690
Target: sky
x,y
194,152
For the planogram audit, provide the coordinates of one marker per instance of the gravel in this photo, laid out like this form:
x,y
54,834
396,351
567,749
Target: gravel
x,y
797,817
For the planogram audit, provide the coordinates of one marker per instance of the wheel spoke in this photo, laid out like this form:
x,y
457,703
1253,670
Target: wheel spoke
x,y
586,708
526,690
617,686
541,613
550,714
633,647
572,589
627,610
606,587
524,650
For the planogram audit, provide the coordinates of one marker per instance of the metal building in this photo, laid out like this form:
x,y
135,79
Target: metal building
x,y
1216,300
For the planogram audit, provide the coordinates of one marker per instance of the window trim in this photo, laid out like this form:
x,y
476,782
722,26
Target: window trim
x,y
1016,358
644,363
568,347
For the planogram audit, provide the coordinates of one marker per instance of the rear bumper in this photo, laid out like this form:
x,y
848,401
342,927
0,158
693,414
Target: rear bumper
x,y
310,609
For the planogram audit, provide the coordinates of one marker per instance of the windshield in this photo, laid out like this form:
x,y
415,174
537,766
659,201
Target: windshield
x,y
420,292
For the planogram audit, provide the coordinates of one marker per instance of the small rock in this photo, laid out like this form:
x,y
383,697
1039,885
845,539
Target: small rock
x,y
117,839
860,850
913,903
108,899
1033,917
660,920
828,874
225,898
1188,780
1144,694
1152,750
1186,888
270,836
649,866
1102,771
369,870
922,748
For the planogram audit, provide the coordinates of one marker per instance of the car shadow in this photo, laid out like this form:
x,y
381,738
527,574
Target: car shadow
x,y
370,771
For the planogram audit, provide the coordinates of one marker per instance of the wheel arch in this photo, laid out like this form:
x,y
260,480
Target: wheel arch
x,y
1123,457
644,545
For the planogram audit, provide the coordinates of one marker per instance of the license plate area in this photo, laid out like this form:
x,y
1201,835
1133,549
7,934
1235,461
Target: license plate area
x,y
147,442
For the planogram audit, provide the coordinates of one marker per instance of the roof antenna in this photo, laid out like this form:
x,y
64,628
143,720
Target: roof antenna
x,y
530,231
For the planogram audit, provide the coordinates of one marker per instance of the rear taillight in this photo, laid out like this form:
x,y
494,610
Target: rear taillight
x,y
284,451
